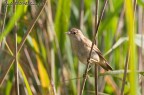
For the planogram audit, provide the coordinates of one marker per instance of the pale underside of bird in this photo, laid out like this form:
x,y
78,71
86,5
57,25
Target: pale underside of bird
x,y
81,47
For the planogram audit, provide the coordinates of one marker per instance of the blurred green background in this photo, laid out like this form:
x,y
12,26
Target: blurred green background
x,y
47,65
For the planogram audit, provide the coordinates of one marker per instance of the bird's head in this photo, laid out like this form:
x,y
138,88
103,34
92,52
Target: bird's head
x,y
75,34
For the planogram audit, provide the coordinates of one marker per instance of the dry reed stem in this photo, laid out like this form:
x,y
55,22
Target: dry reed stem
x,y
86,71
96,67
125,72
15,54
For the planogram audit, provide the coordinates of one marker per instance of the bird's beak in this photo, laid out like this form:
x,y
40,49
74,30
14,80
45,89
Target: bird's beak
x,y
68,33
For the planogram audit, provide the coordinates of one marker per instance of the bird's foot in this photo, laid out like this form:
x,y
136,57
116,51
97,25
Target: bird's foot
x,y
89,68
85,75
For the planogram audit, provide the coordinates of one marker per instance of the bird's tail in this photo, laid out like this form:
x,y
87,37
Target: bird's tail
x,y
105,65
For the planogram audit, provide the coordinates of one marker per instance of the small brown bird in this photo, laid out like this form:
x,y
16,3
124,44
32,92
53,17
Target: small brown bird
x,y
81,47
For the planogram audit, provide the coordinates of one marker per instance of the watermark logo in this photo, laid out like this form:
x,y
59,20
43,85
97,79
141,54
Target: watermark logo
x,y
29,3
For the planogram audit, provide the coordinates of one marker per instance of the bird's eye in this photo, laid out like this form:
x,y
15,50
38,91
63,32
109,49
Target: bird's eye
x,y
74,32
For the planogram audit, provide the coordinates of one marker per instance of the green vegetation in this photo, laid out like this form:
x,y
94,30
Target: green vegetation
x,y
46,64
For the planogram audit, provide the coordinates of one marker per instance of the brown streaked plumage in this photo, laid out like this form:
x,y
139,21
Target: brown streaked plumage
x,y
81,47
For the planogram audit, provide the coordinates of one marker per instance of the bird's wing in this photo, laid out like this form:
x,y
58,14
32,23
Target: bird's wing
x,y
104,62
98,52
89,44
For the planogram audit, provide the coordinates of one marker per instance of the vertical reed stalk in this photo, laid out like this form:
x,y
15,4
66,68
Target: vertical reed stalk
x,y
81,16
96,67
130,22
16,58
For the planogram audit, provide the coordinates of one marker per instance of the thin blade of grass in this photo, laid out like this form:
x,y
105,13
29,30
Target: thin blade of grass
x,y
25,80
116,72
6,71
117,44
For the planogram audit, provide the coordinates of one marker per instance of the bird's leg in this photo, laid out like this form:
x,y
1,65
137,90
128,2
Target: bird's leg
x,y
87,69
85,74
93,61
90,61
89,66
